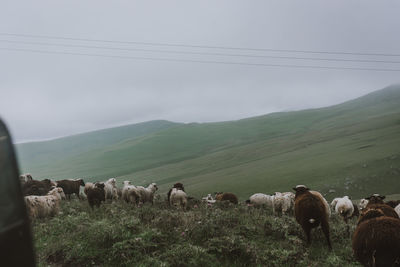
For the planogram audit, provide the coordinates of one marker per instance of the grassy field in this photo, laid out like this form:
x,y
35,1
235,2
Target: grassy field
x,y
118,234
352,148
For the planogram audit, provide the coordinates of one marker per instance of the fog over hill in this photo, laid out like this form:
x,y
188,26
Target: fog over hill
x,y
122,62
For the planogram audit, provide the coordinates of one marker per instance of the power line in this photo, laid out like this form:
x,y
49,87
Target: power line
x,y
200,53
200,61
202,46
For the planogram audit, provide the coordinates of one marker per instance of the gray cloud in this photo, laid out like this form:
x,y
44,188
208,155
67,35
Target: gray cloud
x,y
45,96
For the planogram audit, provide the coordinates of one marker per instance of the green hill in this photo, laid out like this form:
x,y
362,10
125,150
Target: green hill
x,y
353,148
40,156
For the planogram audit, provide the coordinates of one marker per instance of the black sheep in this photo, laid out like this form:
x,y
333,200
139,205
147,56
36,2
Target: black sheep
x,y
96,195
36,188
71,187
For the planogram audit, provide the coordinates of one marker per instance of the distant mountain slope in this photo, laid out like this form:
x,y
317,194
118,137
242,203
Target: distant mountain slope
x,y
34,155
353,148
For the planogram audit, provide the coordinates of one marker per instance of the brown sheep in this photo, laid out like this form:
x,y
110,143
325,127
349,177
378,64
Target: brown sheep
x,y
96,195
393,203
375,199
71,186
385,209
177,186
37,188
310,212
220,196
376,240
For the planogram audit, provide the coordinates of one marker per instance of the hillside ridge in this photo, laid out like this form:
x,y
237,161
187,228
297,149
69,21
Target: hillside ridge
x,y
275,150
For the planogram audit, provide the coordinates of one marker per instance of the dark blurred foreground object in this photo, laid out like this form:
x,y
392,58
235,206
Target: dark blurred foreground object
x,y
15,234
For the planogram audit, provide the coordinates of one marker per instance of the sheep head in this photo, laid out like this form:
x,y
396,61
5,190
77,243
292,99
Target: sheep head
x,y
99,185
58,192
375,199
47,182
81,182
61,192
112,181
153,187
300,189
179,186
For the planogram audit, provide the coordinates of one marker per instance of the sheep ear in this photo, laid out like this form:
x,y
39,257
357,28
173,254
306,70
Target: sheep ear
x,y
368,198
383,197
295,189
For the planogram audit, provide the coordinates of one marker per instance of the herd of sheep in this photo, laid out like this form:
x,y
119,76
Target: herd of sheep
x,y
375,241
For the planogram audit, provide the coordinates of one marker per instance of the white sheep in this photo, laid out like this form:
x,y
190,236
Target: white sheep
x,y
147,194
260,199
178,197
283,202
208,199
397,209
130,193
344,207
110,189
334,202
43,206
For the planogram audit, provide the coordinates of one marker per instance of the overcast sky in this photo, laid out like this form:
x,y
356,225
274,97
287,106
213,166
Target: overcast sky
x,y
51,95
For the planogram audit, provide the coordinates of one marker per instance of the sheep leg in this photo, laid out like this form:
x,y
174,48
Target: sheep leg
x,y
183,204
307,231
325,229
